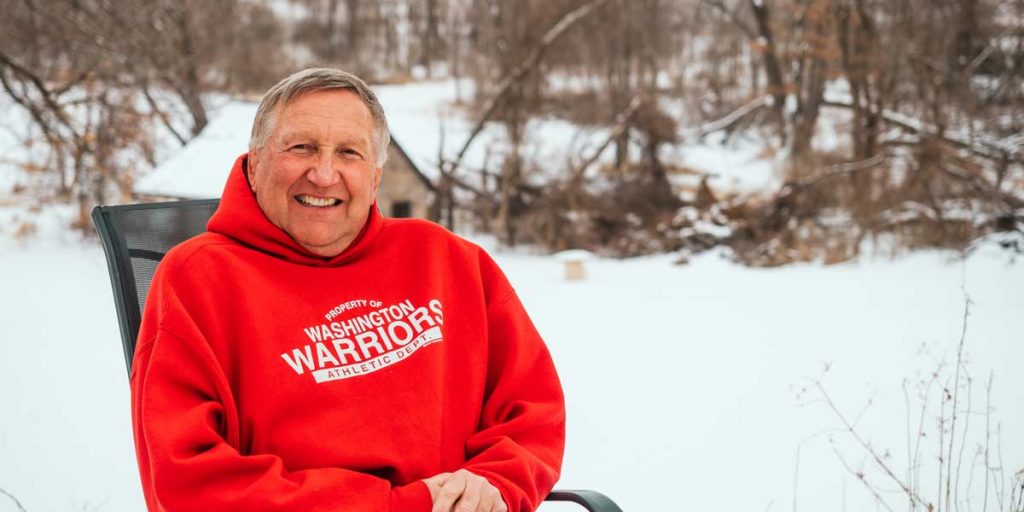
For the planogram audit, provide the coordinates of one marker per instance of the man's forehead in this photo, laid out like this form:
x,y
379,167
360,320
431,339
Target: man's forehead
x,y
343,117
327,103
306,129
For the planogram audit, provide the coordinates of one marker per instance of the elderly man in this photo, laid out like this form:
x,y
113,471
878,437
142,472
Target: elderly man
x,y
307,354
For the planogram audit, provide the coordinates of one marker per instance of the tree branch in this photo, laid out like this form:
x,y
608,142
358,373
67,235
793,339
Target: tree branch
x,y
733,17
621,123
47,97
517,73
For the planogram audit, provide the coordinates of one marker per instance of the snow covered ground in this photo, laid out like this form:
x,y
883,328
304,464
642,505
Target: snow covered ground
x,y
682,381
685,384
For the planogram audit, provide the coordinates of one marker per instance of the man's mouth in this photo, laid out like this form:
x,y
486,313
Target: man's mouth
x,y
317,202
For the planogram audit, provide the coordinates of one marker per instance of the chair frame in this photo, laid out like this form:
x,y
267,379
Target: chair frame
x,y
122,277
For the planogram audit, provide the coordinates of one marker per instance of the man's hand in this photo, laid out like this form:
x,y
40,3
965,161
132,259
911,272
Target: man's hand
x,y
463,491
434,483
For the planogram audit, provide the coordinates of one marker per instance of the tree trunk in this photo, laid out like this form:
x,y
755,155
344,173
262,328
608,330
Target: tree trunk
x,y
772,67
354,33
188,86
511,170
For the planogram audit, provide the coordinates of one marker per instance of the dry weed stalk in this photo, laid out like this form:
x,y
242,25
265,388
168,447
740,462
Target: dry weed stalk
x,y
955,408
15,500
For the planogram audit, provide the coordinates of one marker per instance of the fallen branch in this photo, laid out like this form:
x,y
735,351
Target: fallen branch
x,y
984,187
992,148
835,170
731,119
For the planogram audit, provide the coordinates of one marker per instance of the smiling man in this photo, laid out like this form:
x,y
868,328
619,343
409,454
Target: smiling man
x,y
307,354
315,173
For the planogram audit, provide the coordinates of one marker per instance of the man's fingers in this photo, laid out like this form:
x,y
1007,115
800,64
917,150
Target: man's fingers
x,y
434,484
498,503
440,478
463,491
450,491
470,499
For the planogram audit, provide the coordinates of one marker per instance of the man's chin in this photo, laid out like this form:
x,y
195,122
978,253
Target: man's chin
x,y
325,237
326,247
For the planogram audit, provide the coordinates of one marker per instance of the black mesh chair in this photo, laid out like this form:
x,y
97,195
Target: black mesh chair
x,y
136,237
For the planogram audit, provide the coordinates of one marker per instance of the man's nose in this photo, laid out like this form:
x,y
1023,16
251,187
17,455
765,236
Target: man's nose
x,y
324,172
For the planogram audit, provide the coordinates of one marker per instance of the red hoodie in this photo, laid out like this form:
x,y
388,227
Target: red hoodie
x,y
267,378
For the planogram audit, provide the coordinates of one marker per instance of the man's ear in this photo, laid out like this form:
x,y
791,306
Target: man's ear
x,y
251,168
378,175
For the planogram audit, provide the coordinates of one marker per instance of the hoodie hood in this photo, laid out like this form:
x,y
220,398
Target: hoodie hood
x,y
239,217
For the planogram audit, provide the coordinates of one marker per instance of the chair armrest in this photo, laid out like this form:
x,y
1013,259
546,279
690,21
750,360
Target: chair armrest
x,y
591,500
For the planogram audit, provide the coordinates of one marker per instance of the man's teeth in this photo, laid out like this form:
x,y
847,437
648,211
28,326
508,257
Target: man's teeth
x,y
317,201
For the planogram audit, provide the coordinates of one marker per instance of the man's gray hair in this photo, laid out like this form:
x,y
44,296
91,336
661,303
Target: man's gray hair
x,y
318,79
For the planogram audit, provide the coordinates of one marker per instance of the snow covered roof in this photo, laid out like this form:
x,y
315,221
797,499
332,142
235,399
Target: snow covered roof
x,y
200,169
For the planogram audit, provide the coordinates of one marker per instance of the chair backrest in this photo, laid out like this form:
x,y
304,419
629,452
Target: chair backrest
x,y
135,238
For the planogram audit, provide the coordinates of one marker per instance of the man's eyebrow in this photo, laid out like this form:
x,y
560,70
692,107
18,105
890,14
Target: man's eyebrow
x,y
289,137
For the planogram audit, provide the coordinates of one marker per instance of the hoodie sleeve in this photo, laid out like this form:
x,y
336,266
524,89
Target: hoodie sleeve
x,y
186,434
519,444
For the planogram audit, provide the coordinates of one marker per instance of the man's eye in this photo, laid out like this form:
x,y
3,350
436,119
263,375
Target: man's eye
x,y
350,153
303,148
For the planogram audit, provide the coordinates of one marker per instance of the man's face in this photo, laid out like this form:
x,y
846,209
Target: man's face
x,y
316,176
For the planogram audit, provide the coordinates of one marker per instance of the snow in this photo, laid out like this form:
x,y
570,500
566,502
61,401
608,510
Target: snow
x,y
737,165
682,382
573,255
